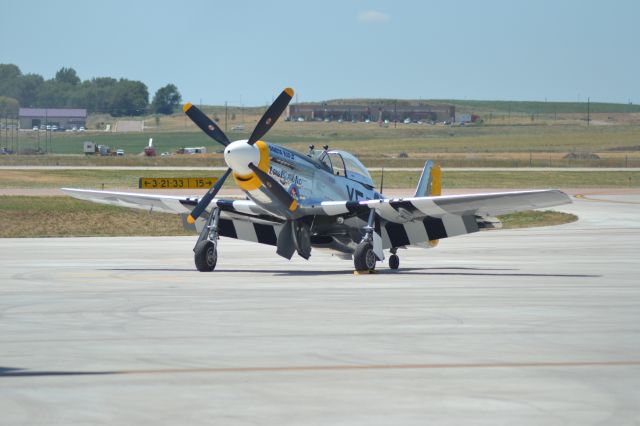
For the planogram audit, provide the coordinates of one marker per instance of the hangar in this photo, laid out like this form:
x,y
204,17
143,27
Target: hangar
x,y
374,111
64,118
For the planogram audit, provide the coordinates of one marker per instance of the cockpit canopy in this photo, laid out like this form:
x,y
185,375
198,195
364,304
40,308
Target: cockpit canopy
x,y
341,163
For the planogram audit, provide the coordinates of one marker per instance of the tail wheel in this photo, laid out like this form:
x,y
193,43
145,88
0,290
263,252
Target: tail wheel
x,y
394,261
364,258
205,256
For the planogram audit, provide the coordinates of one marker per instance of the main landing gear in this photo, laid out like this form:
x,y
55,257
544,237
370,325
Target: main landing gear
x,y
369,251
206,249
364,258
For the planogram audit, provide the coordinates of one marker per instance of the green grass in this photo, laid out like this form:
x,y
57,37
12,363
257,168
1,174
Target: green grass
x,y
88,178
366,139
24,217
533,218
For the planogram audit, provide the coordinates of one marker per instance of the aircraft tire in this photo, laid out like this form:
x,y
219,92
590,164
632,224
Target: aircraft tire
x,y
394,261
364,258
205,256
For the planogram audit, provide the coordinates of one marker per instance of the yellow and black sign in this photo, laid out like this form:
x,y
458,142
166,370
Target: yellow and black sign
x,y
177,183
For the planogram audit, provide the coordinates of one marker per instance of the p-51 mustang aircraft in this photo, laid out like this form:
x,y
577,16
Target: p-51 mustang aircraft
x,y
324,199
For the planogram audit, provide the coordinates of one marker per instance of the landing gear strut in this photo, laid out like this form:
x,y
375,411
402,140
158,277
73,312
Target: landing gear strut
x,y
206,249
365,258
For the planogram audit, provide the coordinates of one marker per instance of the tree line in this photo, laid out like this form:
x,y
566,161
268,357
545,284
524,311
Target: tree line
x,y
118,97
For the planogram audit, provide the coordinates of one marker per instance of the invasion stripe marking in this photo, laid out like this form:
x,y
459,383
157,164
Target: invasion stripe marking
x,y
407,205
397,234
470,223
435,228
245,230
454,225
416,232
226,228
266,234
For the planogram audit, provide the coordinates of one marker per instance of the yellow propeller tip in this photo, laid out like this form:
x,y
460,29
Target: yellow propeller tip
x,y
191,220
187,106
293,206
289,91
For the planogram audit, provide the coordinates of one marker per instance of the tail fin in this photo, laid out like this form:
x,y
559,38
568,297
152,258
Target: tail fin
x,y
430,182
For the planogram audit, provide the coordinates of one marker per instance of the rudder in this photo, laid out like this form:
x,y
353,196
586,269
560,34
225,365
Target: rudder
x,y
430,182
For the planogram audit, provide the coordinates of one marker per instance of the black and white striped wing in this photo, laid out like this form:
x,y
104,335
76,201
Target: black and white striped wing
x,y
416,220
240,219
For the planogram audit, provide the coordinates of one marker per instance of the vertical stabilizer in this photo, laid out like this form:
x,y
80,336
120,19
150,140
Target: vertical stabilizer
x,y
430,182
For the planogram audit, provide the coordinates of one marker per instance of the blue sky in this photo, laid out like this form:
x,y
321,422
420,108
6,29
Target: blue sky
x,y
247,51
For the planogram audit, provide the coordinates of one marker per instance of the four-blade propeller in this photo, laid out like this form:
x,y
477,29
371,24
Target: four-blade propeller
x,y
264,125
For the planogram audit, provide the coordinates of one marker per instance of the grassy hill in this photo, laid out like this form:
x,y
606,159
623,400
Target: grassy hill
x,y
530,107
504,107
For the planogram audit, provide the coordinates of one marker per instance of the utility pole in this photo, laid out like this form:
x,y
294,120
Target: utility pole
x,y
225,116
588,111
395,114
17,134
12,145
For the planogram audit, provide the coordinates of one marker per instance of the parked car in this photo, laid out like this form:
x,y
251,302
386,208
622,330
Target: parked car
x,y
120,152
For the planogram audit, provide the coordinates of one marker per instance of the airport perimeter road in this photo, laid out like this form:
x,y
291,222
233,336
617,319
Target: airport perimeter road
x,y
522,327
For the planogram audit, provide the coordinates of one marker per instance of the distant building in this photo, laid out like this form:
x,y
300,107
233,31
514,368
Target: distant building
x,y
374,111
64,118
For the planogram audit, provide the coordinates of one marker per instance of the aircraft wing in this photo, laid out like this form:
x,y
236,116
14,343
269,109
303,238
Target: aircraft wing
x,y
483,204
164,203
416,220
239,219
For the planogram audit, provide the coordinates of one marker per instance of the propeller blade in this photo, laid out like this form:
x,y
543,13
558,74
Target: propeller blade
x,y
275,188
205,123
204,201
271,115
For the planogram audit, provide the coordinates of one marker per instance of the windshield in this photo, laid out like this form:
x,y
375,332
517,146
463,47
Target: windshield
x,y
353,168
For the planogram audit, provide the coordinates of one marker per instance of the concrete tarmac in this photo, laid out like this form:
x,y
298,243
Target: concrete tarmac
x,y
528,327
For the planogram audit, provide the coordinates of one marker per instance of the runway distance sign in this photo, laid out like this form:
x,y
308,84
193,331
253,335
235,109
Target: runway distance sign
x,y
177,183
